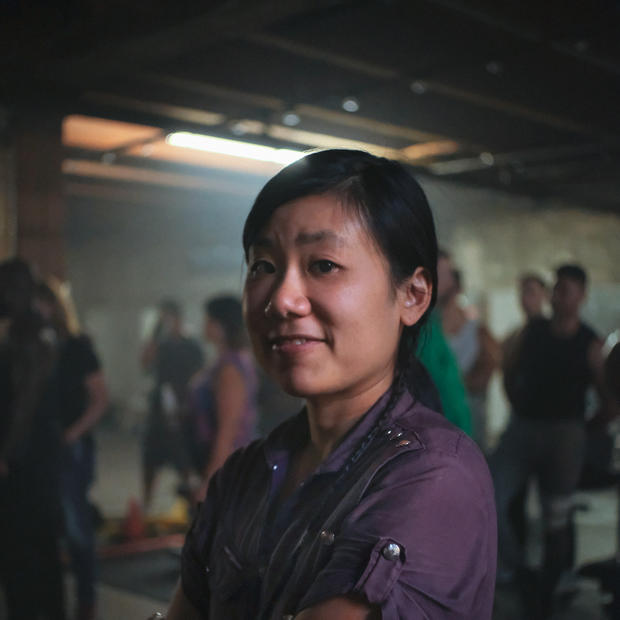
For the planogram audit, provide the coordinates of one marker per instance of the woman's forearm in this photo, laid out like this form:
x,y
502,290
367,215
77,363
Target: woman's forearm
x,y
97,404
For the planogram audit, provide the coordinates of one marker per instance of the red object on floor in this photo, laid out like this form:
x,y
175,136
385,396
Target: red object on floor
x,y
133,527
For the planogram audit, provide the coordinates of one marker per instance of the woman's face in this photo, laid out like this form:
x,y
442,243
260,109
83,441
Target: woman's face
x,y
321,310
213,331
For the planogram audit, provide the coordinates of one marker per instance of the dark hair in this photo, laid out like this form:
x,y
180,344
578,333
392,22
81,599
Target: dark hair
x,y
59,315
532,277
16,287
390,202
457,274
226,310
572,272
171,306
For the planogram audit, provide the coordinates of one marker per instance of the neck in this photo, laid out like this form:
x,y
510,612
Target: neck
x,y
565,325
330,418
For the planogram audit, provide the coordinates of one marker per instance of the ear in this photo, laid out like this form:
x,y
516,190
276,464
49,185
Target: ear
x,y
415,296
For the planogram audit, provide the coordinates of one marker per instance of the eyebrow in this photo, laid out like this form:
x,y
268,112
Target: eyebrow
x,y
305,238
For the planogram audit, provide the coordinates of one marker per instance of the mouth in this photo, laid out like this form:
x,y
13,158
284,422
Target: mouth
x,y
292,343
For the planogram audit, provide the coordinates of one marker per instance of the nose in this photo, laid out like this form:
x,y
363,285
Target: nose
x,y
288,298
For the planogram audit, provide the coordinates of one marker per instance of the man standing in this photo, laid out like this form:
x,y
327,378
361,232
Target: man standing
x,y
173,358
556,361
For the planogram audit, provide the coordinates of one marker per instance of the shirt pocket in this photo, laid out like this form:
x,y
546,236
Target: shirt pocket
x,y
227,578
383,569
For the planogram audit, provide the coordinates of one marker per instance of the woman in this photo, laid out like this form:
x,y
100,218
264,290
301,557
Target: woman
x,y
223,398
83,399
367,504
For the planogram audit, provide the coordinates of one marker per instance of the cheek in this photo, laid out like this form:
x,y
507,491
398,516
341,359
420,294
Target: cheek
x,y
368,314
254,301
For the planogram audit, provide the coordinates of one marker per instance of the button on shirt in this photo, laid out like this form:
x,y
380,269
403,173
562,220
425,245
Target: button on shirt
x,y
414,532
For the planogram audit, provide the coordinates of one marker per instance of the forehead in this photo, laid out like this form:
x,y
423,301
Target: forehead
x,y
531,285
321,218
569,284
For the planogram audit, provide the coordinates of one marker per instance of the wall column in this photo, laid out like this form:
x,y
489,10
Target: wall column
x,y
8,224
39,196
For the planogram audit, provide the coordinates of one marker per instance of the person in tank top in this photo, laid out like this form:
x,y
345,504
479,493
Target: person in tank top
x,y
557,361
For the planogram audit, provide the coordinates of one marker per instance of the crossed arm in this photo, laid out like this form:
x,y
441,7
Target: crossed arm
x,y
344,608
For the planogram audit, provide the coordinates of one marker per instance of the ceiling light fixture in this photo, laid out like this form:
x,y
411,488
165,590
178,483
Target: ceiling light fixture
x,y
235,148
487,158
350,104
291,118
495,67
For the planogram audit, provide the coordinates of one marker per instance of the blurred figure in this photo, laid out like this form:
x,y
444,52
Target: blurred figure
x,y
557,360
477,352
173,358
223,406
82,401
436,356
533,295
30,515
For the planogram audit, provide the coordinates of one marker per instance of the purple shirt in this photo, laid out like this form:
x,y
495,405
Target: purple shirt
x,y
202,403
413,530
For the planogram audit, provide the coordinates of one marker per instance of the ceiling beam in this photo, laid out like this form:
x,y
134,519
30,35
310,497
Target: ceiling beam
x,y
529,33
228,20
477,99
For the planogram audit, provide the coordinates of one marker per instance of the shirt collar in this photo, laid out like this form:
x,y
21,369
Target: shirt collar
x,y
293,434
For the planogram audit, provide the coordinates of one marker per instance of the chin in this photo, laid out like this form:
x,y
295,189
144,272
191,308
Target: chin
x,y
300,386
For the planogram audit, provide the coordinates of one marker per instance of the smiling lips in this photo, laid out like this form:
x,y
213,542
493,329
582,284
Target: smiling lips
x,y
290,344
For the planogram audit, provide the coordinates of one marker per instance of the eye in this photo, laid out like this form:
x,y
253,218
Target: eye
x,y
323,266
261,267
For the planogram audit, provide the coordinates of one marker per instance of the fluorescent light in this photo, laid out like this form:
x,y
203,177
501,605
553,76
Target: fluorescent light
x,y
234,148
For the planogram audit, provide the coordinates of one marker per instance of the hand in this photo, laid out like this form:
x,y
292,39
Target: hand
x,y
4,469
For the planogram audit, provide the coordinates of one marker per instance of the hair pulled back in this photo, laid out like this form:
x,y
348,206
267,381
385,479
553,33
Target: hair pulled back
x,y
389,201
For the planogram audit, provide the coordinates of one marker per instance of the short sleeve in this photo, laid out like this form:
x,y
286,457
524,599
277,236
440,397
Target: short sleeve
x,y
421,544
88,360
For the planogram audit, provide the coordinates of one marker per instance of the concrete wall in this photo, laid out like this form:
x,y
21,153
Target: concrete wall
x,y
122,258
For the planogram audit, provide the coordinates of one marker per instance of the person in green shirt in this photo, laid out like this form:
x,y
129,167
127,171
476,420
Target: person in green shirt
x,y
438,359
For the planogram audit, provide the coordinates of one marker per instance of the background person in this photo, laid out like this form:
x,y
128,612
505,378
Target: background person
x,y
30,439
557,360
83,400
438,359
173,358
533,296
367,503
477,353
223,398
